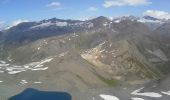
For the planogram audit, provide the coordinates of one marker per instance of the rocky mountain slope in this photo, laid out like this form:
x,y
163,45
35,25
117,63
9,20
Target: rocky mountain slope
x,y
77,55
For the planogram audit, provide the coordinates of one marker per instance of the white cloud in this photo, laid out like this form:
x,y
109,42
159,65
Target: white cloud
x,y
15,23
157,14
92,9
112,3
2,25
83,18
54,4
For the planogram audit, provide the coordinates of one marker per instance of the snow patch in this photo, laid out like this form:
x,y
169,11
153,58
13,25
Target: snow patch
x,y
166,93
90,25
40,68
105,24
63,54
2,62
43,25
49,23
15,72
37,82
3,65
14,69
23,82
137,99
149,21
108,97
39,48
61,24
148,94
1,71
117,21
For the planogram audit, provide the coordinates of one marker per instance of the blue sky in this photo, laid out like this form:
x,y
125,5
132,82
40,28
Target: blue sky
x,y
22,10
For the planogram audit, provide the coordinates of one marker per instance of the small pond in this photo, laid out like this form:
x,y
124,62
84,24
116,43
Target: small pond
x,y
33,94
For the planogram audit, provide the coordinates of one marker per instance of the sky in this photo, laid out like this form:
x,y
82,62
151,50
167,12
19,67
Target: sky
x,y
17,11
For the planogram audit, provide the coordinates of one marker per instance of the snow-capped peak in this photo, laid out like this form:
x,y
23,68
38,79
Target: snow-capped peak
x,y
47,23
122,18
149,19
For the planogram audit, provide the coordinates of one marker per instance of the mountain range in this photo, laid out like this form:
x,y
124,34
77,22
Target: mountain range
x,y
78,55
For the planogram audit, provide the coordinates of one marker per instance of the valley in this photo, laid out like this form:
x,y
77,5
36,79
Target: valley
x,y
89,59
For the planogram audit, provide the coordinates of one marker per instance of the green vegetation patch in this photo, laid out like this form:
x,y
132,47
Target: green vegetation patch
x,y
110,82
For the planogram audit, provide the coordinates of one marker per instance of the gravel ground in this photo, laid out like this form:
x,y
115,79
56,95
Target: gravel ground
x,y
11,87
123,93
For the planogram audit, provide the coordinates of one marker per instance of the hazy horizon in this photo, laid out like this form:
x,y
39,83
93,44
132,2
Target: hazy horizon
x,y
34,10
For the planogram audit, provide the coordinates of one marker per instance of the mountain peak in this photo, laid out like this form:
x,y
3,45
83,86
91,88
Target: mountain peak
x,y
130,17
101,18
150,18
123,18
